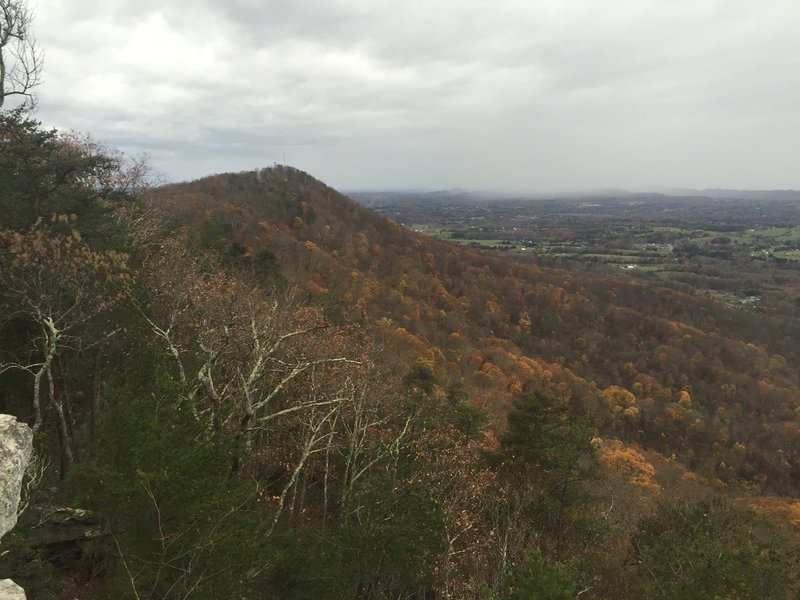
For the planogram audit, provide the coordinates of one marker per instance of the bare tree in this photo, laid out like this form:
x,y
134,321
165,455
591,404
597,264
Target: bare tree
x,y
58,284
21,59
244,360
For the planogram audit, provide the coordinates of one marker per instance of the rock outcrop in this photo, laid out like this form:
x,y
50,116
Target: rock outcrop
x,y
16,445
10,590
59,525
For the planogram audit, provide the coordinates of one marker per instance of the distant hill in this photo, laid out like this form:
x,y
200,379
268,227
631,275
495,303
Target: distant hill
x,y
774,195
373,198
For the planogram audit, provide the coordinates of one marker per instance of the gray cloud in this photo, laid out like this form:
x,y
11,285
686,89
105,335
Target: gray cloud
x,y
522,94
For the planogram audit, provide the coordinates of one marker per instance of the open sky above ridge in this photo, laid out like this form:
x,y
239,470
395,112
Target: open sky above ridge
x,y
480,94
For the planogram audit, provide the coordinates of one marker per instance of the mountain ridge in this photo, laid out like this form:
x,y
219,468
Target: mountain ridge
x,y
498,323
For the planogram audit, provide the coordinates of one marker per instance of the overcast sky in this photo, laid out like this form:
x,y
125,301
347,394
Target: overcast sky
x,y
525,95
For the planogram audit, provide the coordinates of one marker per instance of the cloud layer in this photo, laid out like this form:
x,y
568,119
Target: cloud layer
x,y
500,94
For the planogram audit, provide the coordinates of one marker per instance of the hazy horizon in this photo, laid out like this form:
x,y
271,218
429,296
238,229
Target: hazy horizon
x,y
667,191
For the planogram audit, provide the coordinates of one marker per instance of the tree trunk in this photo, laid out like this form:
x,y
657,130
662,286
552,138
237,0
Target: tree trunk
x,y
64,438
37,399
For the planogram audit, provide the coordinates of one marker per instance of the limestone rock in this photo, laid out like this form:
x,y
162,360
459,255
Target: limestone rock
x,y
10,590
16,445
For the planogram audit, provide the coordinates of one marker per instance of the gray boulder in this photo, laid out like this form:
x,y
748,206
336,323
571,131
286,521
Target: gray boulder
x,y
16,445
10,590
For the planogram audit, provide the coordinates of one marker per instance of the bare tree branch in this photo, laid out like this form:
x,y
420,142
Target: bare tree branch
x,y
21,59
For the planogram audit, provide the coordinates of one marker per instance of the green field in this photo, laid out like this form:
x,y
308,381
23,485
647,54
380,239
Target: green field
x,y
767,243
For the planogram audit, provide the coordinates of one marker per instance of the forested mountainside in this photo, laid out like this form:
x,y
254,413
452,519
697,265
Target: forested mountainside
x,y
264,390
682,374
